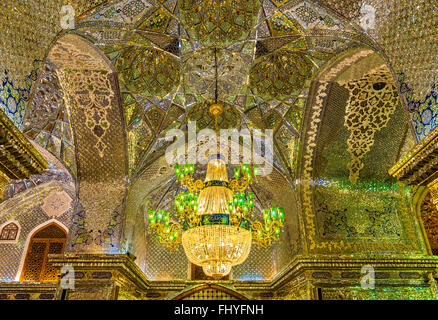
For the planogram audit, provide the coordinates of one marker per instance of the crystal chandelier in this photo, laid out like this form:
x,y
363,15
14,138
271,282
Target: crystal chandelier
x,y
213,219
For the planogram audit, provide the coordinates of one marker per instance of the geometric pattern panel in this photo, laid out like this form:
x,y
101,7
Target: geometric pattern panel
x,y
56,204
210,294
91,90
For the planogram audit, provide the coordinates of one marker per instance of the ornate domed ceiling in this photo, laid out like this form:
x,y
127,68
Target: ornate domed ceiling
x,y
348,87
174,57
165,62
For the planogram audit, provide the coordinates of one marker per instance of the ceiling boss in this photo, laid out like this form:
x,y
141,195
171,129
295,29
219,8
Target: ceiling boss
x,y
214,218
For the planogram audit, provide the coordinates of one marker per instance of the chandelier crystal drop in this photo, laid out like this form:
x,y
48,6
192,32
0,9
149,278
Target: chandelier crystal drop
x,y
212,219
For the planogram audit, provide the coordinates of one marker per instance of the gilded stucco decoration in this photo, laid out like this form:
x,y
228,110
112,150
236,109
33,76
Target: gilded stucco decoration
x,y
125,11
404,26
84,7
373,99
95,103
28,29
157,22
229,119
281,25
72,52
390,17
102,167
57,203
139,138
395,293
400,28
347,8
161,87
91,96
286,140
85,80
350,216
317,18
23,42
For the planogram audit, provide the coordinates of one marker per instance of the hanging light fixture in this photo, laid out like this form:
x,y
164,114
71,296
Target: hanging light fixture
x,y
212,219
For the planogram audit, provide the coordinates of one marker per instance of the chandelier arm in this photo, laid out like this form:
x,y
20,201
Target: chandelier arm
x,y
264,235
195,186
168,237
237,219
191,219
239,184
188,221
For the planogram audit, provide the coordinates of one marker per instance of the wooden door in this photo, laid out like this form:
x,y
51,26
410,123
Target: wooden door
x,y
50,239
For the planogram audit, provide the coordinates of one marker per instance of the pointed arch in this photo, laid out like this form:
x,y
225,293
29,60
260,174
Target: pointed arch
x,y
10,231
33,232
46,240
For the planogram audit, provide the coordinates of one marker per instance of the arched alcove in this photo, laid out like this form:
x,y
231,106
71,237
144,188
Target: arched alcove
x,y
9,231
48,239
356,127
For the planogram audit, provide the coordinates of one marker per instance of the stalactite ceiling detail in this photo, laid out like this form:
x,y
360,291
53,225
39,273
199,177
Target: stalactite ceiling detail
x,y
165,62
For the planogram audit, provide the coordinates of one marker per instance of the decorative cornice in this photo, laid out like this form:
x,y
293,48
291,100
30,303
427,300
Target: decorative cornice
x,y
315,263
421,163
28,290
18,157
297,270
123,264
